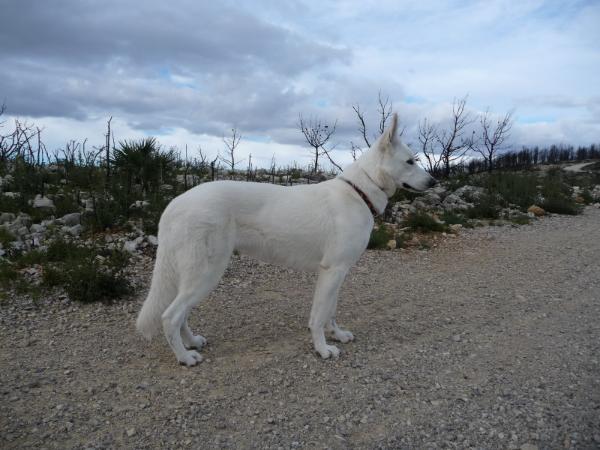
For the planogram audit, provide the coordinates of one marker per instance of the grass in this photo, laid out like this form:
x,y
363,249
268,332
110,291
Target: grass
x,y
423,222
87,273
380,236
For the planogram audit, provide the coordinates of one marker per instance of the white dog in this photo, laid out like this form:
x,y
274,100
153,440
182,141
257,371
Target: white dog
x,y
323,227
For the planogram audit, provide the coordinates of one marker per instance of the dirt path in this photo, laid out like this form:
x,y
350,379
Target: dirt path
x,y
489,340
578,167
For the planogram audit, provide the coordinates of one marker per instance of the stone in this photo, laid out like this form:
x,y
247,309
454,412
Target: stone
x,y
391,244
139,204
6,217
166,188
75,230
536,210
152,239
42,202
131,432
455,227
11,194
469,193
454,202
37,228
130,246
71,219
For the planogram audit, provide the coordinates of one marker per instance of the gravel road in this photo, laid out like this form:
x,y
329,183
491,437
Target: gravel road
x,y
488,340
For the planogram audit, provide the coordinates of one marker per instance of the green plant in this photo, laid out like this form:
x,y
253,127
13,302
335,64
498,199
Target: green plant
x,y
485,207
586,195
423,222
90,274
380,236
521,219
453,218
514,188
6,237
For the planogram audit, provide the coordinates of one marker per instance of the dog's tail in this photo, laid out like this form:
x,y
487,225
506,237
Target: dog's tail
x,y
162,292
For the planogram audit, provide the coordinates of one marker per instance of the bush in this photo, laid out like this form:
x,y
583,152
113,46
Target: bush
x,y
515,188
87,274
6,237
423,222
560,205
485,207
557,195
380,236
453,218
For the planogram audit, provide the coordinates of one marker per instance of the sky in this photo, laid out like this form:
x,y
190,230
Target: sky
x,y
189,71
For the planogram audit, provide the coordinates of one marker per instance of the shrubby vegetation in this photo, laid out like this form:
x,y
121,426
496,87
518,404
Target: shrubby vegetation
x,y
125,185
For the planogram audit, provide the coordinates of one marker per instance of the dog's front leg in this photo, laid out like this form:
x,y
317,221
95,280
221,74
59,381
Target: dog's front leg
x,y
328,285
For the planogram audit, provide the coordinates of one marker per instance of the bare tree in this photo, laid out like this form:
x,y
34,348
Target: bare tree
x,y
107,151
384,111
452,142
493,136
427,133
231,143
317,134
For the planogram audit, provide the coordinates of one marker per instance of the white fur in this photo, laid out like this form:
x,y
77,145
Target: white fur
x,y
322,227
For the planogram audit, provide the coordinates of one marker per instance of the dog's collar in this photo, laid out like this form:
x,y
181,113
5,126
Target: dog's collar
x,y
363,196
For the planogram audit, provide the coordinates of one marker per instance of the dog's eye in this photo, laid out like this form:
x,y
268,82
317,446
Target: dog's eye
x,y
411,161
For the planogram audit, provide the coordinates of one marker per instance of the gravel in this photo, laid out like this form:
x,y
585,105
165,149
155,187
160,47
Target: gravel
x,y
487,340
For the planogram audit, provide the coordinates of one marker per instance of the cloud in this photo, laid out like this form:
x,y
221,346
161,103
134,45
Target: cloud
x,y
195,69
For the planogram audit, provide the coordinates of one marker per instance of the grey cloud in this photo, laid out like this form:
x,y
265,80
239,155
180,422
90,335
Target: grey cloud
x,y
80,59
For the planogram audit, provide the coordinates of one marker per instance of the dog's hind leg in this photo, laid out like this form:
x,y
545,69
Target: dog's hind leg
x,y
328,285
337,333
200,268
189,339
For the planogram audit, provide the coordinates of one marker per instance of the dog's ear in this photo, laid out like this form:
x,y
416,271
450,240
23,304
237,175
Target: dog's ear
x,y
389,134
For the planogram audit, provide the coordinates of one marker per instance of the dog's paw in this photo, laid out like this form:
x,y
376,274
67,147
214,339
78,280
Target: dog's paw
x,y
196,342
190,358
343,336
328,351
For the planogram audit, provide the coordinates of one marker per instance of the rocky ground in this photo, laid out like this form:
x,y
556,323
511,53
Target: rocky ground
x,y
488,340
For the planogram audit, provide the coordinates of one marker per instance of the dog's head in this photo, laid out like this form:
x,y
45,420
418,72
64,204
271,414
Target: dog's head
x,y
397,165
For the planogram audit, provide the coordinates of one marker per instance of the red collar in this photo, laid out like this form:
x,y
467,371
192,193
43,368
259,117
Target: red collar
x,y
363,196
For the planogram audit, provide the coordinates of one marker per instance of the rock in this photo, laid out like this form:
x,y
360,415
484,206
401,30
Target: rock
x,y
131,246
595,193
152,239
469,193
131,432
139,204
455,227
89,205
37,228
22,231
536,210
11,194
6,217
75,230
42,202
391,244
166,188
579,199
455,202
71,219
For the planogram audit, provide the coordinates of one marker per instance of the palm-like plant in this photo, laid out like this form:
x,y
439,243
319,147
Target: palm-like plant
x,y
141,162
